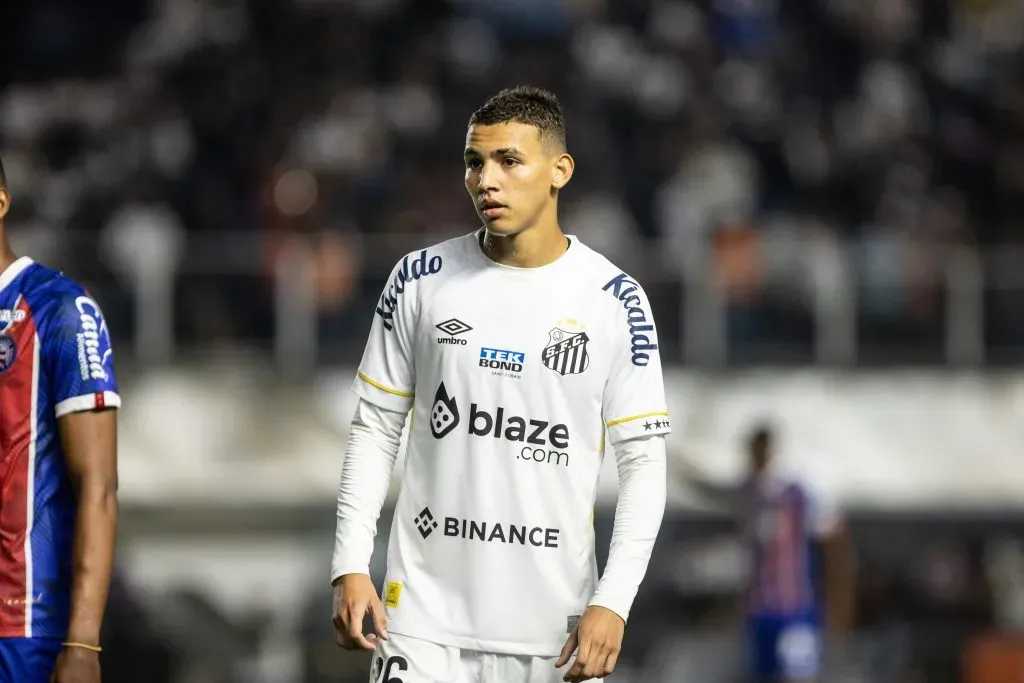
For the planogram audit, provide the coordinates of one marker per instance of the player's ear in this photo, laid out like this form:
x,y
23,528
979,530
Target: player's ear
x,y
5,202
561,171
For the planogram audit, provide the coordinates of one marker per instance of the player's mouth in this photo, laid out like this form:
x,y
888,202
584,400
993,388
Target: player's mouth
x,y
491,210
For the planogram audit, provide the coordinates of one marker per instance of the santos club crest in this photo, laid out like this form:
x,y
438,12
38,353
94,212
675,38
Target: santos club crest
x,y
566,352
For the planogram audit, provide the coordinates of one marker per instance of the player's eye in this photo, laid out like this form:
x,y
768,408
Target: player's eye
x,y
510,162
473,164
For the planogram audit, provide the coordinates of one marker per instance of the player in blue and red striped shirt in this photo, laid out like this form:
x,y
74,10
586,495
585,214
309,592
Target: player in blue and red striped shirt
x,y
58,472
784,520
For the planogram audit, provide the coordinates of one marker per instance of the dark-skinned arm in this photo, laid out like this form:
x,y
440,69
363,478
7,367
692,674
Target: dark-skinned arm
x,y
725,497
840,570
89,440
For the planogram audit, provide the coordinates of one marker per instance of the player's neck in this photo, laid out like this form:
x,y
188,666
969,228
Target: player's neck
x,y
532,248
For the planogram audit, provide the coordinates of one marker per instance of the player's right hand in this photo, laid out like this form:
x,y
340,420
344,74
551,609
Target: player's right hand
x,y
354,596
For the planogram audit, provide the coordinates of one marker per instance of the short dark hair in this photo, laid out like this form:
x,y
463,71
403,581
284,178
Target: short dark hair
x,y
3,174
761,436
528,105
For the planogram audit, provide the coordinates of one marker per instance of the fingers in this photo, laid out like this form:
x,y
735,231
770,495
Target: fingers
x,y
613,659
596,658
570,646
583,660
341,638
380,622
355,627
348,627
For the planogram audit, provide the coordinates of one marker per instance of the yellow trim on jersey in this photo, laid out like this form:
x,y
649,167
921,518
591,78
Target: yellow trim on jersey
x,y
396,392
636,417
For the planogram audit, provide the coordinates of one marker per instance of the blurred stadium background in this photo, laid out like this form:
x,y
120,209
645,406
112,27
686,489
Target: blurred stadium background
x,y
822,197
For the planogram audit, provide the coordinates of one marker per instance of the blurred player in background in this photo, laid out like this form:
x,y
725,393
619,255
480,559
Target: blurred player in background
x,y
519,350
784,520
58,472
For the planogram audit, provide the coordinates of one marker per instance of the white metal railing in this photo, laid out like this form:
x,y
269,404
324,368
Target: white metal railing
x,y
704,341
834,304
965,309
296,328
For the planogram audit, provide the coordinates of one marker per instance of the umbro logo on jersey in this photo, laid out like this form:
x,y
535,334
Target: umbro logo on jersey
x,y
425,522
566,352
453,327
444,414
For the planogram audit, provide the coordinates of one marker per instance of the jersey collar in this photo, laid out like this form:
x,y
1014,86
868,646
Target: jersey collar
x,y
772,480
13,271
567,257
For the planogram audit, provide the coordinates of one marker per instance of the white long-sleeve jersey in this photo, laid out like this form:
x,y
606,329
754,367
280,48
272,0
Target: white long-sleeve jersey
x,y
516,377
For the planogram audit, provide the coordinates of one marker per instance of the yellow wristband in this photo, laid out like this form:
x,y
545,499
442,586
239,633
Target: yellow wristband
x,y
91,648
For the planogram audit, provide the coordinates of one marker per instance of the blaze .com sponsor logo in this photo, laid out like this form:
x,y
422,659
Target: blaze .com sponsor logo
x,y
538,441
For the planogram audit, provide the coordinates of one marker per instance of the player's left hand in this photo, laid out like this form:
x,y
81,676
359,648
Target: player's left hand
x,y
597,641
76,665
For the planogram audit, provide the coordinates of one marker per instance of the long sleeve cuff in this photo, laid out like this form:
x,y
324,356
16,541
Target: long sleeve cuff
x,y
638,515
373,443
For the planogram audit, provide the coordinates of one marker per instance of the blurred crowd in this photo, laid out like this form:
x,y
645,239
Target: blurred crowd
x,y
744,137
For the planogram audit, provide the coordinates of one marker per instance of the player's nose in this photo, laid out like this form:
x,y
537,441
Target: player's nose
x,y
487,178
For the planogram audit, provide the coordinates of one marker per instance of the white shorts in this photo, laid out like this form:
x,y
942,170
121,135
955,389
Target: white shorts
x,y
401,659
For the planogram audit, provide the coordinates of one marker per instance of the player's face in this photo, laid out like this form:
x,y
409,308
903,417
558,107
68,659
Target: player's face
x,y
760,454
512,175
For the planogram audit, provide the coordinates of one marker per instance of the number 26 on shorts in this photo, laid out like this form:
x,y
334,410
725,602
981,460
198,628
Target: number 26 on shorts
x,y
382,669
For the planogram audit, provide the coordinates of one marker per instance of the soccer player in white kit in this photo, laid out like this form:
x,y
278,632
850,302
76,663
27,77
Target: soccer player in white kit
x,y
520,352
